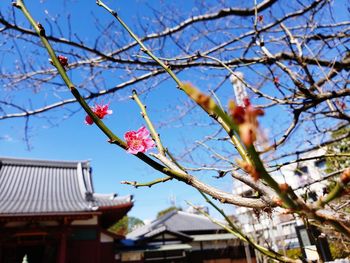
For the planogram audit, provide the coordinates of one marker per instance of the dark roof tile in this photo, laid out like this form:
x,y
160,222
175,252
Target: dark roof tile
x,y
38,186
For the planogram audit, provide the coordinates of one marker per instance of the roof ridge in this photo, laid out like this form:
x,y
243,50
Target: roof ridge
x,y
41,162
153,225
194,215
164,217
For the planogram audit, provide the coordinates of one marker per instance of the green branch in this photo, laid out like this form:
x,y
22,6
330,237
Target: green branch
x,y
138,40
153,131
251,154
41,32
337,190
149,184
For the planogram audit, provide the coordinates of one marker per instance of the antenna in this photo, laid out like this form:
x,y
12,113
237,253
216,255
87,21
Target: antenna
x,y
172,199
239,87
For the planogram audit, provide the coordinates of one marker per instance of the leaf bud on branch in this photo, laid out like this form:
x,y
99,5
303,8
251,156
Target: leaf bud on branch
x,y
249,168
205,101
345,176
246,119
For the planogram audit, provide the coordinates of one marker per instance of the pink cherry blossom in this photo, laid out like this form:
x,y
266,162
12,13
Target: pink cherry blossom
x,y
138,141
100,110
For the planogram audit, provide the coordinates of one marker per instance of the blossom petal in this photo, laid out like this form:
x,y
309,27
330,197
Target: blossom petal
x,y
100,110
132,151
142,132
136,149
141,148
148,143
129,135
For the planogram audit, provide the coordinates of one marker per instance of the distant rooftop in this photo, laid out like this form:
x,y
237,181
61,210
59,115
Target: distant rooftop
x,y
175,221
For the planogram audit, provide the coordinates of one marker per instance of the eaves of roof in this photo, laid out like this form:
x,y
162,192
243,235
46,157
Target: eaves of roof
x,y
163,230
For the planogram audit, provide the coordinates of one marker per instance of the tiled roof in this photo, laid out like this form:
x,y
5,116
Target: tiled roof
x,y
176,221
41,187
162,230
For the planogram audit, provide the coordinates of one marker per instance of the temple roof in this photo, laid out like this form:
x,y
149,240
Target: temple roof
x,y
175,221
48,187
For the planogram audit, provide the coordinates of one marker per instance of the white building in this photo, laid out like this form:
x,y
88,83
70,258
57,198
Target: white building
x,y
308,178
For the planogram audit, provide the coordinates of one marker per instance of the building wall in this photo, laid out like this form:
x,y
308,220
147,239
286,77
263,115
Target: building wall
x,y
278,230
83,251
107,252
91,221
221,255
84,242
212,251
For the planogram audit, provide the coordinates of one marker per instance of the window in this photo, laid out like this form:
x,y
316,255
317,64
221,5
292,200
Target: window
x,y
301,171
321,164
312,195
288,228
163,255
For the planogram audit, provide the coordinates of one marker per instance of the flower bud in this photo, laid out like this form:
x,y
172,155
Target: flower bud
x,y
41,29
237,113
246,118
247,131
284,187
345,176
63,60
